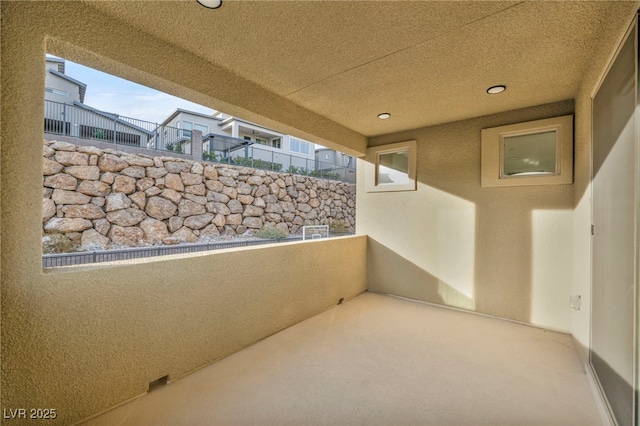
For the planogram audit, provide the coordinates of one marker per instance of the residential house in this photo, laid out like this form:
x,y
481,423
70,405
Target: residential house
x,y
337,163
67,114
59,87
557,257
227,137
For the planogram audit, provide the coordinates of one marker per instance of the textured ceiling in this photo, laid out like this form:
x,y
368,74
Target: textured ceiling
x,y
425,62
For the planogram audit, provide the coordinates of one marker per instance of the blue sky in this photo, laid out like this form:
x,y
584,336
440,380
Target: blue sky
x,y
116,95
125,98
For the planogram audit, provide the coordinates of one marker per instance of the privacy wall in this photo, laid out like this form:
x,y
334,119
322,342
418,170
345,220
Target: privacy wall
x,y
83,339
105,198
500,251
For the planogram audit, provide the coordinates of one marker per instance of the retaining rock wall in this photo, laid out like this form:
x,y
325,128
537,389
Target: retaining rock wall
x,y
101,198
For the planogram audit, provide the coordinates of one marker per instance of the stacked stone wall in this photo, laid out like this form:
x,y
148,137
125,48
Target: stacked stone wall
x,y
102,198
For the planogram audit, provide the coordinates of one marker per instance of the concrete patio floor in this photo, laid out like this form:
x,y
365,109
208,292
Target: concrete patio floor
x,y
381,360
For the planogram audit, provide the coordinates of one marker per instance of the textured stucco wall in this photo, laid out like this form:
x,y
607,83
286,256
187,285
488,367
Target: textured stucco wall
x,y
81,340
500,251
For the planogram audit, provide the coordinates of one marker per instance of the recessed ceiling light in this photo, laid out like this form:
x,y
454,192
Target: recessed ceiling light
x,y
493,90
384,116
210,4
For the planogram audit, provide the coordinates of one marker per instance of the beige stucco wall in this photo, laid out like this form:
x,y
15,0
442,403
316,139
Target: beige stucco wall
x,y
81,340
80,33
500,251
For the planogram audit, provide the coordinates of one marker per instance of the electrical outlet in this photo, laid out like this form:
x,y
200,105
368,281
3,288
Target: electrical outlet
x,y
575,302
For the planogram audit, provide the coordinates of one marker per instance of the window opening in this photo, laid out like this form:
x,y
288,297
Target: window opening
x,y
187,126
297,145
98,201
531,153
202,128
57,91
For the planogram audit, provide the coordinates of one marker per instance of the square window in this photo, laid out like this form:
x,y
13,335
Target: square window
x,y
532,153
391,167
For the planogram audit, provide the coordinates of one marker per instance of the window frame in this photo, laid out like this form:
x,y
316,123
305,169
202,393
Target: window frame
x,y
187,133
205,127
492,141
372,169
58,92
302,146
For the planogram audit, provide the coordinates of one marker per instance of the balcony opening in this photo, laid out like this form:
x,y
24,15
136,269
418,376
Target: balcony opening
x,y
131,172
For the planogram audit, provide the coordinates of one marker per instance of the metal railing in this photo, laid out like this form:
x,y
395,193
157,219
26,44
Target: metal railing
x,y
171,139
228,150
82,121
79,258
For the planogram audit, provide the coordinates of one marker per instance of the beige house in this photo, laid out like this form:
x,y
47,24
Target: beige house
x,y
65,112
466,232
237,137
332,161
58,86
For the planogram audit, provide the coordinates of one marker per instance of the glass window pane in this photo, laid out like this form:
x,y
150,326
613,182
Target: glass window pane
x,y
532,154
393,168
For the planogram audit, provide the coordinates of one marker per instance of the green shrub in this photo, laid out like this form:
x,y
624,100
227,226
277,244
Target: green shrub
x,y
257,164
173,146
325,175
270,233
209,156
58,243
338,226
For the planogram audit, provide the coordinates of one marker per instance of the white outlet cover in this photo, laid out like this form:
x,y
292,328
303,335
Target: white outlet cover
x,y
575,302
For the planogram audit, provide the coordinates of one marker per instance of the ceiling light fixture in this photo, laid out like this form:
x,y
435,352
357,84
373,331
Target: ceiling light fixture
x,y
210,4
494,90
384,116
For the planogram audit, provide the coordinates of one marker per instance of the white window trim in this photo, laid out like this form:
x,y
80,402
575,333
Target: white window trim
x,y
372,165
57,91
493,156
300,143
206,128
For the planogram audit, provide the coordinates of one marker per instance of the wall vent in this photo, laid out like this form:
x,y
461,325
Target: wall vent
x,y
156,384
